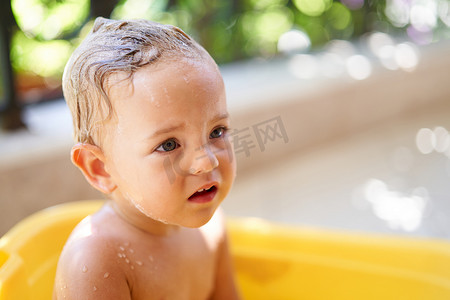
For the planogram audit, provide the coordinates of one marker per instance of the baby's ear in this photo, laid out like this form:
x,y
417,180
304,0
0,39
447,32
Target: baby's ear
x,y
91,161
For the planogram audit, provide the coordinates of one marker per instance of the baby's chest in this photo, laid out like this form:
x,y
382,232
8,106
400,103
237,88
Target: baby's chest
x,y
184,271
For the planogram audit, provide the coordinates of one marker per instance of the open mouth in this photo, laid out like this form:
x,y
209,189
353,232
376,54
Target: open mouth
x,y
204,195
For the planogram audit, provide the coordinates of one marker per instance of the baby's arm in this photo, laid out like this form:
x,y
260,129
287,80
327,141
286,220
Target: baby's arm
x,y
225,287
88,270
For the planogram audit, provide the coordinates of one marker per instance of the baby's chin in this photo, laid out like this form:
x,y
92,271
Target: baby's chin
x,y
192,222
197,224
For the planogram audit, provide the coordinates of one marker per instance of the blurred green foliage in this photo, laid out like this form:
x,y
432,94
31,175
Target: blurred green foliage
x,y
229,29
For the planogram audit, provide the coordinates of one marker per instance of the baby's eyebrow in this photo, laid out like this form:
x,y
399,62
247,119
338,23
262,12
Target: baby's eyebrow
x,y
220,117
182,126
165,130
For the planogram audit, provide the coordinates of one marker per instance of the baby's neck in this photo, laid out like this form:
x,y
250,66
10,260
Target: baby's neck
x,y
142,222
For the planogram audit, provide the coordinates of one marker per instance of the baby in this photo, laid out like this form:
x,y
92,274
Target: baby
x,y
151,123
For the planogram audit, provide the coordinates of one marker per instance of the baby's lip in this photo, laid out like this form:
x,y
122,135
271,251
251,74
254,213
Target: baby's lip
x,y
205,187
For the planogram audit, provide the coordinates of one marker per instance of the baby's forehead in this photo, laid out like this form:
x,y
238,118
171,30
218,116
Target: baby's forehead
x,y
124,82
177,66
170,77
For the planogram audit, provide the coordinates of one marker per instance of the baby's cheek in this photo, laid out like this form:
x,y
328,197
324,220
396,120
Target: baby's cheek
x,y
227,163
172,169
226,150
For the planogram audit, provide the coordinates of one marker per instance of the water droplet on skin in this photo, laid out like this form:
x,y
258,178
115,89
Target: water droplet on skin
x,y
127,260
106,275
85,269
122,248
155,101
95,288
150,258
139,263
132,267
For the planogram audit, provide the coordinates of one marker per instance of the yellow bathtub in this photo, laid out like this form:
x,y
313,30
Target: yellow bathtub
x,y
272,261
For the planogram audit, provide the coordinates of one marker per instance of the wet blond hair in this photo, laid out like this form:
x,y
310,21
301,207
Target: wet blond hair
x,y
115,46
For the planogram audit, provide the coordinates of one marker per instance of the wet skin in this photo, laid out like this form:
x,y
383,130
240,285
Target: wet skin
x,y
153,239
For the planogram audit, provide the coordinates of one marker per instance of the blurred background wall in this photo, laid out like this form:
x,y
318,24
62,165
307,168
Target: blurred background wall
x,y
340,108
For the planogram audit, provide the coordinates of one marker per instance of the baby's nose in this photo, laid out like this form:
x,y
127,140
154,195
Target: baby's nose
x,y
204,161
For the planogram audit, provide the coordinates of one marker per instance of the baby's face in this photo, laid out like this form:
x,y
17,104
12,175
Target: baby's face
x,y
168,150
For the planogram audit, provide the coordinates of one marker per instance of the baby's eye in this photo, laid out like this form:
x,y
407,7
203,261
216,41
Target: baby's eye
x,y
218,132
168,145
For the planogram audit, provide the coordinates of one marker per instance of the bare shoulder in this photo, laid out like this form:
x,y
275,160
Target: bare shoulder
x,y
89,267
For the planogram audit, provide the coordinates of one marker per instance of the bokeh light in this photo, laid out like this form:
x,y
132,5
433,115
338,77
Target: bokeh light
x,y
339,17
438,140
293,41
47,20
332,65
406,56
42,58
400,211
139,9
425,140
265,27
398,12
359,67
442,139
393,56
304,66
313,8
342,48
419,17
377,41
423,15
